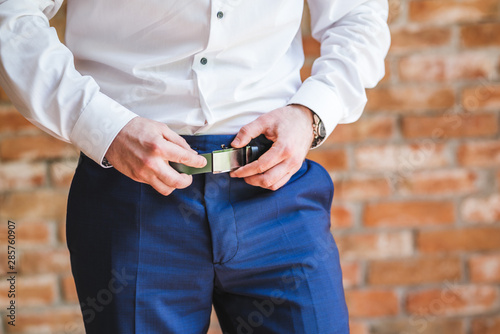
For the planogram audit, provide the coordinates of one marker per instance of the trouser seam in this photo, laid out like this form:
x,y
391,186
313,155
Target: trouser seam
x,y
139,220
235,227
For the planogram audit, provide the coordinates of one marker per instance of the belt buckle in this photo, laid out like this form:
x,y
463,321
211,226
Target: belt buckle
x,y
229,159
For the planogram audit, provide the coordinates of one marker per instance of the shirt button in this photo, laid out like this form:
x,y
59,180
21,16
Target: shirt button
x,y
220,15
203,61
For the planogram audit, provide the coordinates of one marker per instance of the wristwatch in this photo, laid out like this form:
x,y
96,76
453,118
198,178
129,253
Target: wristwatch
x,y
319,131
106,163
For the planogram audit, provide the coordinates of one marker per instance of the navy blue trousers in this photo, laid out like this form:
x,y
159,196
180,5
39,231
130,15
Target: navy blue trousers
x,y
146,263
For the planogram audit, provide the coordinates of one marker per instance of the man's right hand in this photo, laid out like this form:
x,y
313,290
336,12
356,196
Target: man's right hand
x,y
142,150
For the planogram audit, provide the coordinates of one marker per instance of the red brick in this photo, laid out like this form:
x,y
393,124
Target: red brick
x,y
214,330
419,325
486,325
453,300
482,210
372,303
12,121
450,11
31,291
16,176
30,233
34,147
375,245
351,274
361,188
40,204
366,128
62,172
446,67
401,157
69,289
485,34
380,157
395,10
306,20
59,22
3,96
479,154
485,268
330,159
61,231
358,328
470,239
414,98
214,323
311,46
441,182
415,38
483,97
450,125
4,268
415,213
341,217
387,76
44,261
414,271
305,71
53,320
498,180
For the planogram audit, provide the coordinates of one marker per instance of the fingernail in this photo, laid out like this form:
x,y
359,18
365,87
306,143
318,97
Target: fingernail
x,y
235,142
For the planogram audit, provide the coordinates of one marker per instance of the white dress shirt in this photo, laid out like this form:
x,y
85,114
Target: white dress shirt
x,y
200,66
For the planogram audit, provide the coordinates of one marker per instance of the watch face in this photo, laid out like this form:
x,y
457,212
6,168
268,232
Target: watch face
x,y
321,130
320,127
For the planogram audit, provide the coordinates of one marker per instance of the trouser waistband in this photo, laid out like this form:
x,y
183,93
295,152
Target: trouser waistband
x,y
209,143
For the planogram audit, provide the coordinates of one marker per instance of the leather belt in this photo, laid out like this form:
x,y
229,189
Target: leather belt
x,y
222,161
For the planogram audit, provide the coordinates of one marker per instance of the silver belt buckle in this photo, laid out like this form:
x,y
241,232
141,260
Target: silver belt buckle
x,y
229,159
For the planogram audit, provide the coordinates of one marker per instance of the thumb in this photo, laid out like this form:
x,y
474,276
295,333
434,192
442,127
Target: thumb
x,y
248,132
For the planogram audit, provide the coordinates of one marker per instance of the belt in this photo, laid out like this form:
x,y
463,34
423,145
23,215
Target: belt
x,y
227,159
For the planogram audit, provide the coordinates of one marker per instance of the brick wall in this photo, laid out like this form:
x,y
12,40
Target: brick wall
x,y
416,213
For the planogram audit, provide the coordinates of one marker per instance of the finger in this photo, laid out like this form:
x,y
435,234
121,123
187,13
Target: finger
x,y
161,187
275,155
175,138
176,153
269,178
281,182
248,132
171,178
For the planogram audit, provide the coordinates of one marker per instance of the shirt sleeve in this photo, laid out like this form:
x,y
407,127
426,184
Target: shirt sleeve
x,y
355,39
38,74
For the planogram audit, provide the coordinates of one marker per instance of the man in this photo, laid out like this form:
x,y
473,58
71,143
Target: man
x,y
155,84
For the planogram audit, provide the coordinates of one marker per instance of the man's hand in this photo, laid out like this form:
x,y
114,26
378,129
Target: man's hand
x,y
142,150
290,128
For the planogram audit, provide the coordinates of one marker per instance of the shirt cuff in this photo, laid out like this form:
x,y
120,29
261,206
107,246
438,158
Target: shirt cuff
x,y
98,125
323,101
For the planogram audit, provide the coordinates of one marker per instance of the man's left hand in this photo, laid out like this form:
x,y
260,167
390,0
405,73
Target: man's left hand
x,y
290,128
